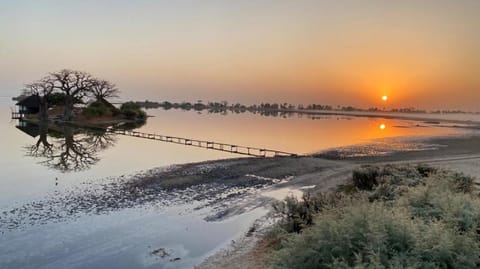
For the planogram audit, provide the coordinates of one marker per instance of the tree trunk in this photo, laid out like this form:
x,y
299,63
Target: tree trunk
x,y
43,109
68,110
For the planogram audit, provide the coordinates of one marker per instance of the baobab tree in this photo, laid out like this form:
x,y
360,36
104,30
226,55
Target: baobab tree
x,y
43,89
103,89
74,84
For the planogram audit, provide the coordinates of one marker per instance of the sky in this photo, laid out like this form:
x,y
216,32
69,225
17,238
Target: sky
x,y
423,54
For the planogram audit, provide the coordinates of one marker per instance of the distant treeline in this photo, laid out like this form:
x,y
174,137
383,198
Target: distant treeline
x,y
224,107
276,109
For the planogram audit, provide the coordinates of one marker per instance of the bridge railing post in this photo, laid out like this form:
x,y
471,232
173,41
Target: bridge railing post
x,y
252,151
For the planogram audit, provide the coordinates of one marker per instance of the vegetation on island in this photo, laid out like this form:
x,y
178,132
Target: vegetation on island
x,y
385,217
59,92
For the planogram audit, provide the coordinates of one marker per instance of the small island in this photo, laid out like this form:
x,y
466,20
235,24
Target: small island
x,y
75,98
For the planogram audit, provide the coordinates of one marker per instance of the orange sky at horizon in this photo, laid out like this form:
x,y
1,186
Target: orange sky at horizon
x,y
420,53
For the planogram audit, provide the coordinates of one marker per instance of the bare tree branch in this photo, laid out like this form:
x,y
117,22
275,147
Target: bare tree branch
x,y
103,89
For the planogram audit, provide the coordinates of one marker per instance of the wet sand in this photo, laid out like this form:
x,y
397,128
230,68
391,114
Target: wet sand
x,y
220,184
232,187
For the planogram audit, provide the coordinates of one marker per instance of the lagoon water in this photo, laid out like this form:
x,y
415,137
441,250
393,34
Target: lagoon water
x,y
125,238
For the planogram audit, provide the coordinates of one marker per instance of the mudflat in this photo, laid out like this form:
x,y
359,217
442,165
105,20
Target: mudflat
x,y
234,186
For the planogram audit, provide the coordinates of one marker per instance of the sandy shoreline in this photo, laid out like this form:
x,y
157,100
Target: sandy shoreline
x,y
461,153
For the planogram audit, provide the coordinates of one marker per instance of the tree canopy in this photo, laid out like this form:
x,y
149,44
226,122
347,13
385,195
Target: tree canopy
x,y
73,86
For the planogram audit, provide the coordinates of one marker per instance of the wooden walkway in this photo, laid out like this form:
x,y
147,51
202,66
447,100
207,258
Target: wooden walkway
x,y
16,115
236,149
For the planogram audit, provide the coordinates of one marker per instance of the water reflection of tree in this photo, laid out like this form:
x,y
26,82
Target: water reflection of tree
x,y
101,140
71,153
42,147
68,149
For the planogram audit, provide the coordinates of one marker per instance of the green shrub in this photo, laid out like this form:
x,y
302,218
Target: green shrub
x,y
463,214
129,114
440,202
133,111
383,192
130,106
95,109
425,170
462,183
390,181
375,236
365,177
424,204
405,217
295,215
116,112
274,237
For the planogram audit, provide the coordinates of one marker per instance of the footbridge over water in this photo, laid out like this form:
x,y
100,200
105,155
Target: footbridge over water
x,y
231,148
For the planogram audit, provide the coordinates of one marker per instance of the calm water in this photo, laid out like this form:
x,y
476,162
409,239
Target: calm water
x,y
123,239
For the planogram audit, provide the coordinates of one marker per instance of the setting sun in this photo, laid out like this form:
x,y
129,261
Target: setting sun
x,y
383,126
384,98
